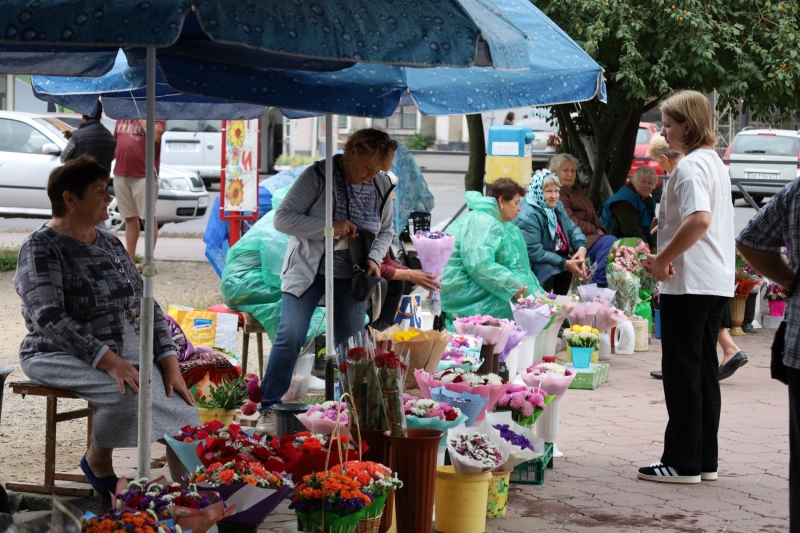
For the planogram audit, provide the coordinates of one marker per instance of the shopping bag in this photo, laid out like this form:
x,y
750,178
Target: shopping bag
x,y
408,314
206,328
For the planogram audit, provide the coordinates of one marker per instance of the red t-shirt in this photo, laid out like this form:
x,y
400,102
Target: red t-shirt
x,y
131,145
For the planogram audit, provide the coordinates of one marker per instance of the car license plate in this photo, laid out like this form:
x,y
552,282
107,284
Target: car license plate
x,y
183,147
202,202
761,176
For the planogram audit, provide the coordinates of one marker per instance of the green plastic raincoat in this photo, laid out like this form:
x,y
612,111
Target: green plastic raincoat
x,y
489,263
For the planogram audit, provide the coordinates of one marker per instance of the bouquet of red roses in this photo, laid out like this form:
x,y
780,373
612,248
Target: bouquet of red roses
x,y
392,369
359,365
185,443
305,452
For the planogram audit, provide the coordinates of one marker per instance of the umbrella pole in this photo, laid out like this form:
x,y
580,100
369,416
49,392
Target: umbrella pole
x,y
148,272
330,349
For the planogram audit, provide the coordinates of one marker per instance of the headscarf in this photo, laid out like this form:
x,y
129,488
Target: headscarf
x,y
535,197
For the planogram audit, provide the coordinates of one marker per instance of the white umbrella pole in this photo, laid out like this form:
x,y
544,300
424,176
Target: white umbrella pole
x,y
330,349
148,272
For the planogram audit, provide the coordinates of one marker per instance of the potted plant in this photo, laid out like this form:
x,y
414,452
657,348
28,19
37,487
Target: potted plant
x,y
222,401
582,340
776,298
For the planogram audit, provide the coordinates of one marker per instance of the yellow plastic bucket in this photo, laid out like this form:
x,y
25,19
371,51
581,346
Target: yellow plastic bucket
x,y
498,495
461,501
207,414
595,355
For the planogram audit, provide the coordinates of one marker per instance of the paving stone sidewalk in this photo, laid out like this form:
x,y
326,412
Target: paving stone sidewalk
x,y
608,433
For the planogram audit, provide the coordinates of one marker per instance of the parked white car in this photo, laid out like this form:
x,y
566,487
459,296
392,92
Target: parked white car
x,y
195,146
767,156
30,146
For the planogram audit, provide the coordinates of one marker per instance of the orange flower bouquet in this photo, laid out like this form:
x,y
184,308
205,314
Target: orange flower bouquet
x,y
254,490
330,502
376,480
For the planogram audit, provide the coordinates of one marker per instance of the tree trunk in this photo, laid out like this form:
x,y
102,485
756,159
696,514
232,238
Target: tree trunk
x,y
624,152
563,112
473,180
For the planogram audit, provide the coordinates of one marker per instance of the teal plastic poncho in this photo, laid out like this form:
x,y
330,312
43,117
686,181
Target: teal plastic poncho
x,y
251,280
489,263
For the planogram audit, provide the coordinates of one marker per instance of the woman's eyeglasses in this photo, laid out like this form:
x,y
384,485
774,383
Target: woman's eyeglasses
x,y
383,144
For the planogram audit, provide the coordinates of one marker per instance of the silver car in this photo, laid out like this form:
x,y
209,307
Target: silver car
x,y
763,161
30,146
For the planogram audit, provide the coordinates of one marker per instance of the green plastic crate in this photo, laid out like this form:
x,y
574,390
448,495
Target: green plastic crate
x,y
532,472
589,378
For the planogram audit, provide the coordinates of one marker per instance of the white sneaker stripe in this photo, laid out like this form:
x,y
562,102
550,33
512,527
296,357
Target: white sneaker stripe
x,y
672,471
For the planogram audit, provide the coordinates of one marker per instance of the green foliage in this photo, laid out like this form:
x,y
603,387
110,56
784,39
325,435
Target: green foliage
x,y
294,160
229,395
418,141
8,258
745,49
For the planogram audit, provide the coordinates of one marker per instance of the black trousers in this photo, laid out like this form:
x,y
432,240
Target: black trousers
x,y
689,328
558,283
794,449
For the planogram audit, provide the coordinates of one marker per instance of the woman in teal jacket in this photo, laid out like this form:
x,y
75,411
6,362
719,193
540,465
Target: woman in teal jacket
x,y
550,235
489,265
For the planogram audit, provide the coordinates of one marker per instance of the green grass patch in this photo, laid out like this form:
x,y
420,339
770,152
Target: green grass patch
x,y
8,258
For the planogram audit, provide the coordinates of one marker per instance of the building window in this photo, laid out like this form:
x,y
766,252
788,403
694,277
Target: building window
x,y
404,118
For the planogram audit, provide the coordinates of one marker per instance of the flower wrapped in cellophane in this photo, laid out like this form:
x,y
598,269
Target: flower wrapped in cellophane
x,y
472,451
457,358
434,249
424,348
323,418
392,368
422,413
489,386
471,405
524,403
358,365
553,378
525,445
531,314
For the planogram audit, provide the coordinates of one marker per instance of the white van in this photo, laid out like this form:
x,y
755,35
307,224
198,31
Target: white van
x,y
194,145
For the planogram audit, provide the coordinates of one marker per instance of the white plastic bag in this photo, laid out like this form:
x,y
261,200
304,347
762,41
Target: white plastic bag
x,y
467,465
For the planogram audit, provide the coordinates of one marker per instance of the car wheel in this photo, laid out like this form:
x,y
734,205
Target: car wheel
x,y
115,222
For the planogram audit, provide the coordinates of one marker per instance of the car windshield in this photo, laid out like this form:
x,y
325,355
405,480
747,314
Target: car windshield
x,y
766,145
183,125
56,126
643,136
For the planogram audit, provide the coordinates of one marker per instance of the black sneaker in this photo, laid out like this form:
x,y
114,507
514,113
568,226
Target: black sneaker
x,y
657,374
660,473
709,476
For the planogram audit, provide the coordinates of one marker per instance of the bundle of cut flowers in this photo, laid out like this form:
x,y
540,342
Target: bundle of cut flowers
x,y
627,286
550,377
244,392
376,479
457,358
548,368
459,381
655,300
473,451
359,376
488,328
582,337
392,369
323,418
775,293
512,438
515,334
191,509
522,441
304,452
186,442
458,375
532,315
467,343
434,249
252,473
221,450
423,408
127,521
525,403
337,494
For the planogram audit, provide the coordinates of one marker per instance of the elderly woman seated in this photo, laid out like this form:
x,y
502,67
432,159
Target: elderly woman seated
x,y
81,298
630,212
581,211
556,246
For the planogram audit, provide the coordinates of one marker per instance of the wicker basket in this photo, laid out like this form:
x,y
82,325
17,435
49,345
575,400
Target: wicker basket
x,y
369,525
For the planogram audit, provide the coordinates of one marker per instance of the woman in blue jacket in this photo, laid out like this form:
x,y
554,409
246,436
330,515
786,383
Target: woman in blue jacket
x,y
556,246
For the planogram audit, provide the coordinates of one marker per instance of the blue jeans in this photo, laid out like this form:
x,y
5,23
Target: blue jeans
x,y
348,319
599,254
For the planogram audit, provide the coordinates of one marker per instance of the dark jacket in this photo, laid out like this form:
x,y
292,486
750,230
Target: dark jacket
x,y
581,211
541,246
626,214
91,138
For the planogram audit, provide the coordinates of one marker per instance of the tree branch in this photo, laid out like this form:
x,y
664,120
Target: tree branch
x,y
653,104
563,112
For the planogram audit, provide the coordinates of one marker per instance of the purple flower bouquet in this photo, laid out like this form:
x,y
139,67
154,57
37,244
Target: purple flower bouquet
x,y
434,250
525,445
472,451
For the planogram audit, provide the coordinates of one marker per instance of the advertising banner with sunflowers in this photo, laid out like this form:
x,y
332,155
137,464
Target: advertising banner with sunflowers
x,y
241,166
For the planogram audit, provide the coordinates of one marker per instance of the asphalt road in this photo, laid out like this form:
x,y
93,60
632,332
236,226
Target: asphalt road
x,y
447,189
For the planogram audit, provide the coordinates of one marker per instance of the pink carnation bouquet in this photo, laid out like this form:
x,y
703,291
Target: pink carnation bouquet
x,y
323,418
525,404
551,377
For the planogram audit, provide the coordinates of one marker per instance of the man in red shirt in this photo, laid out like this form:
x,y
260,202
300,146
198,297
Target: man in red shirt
x,y
129,173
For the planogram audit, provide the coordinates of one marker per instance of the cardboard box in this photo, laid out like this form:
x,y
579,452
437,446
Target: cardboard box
x,y
589,378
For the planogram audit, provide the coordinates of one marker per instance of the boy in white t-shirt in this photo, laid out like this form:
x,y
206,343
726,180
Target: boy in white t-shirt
x,y
696,264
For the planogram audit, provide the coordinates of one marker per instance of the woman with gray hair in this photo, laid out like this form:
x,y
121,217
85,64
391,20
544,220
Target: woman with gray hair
x,y
631,211
581,211
550,235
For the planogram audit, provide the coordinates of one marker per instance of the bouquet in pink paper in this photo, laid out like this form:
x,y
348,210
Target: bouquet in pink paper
x,y
515,334
486,327
323,418
553,378
434,249
490,386
609,317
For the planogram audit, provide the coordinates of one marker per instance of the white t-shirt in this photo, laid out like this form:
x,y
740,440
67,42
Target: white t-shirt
x,y
700,182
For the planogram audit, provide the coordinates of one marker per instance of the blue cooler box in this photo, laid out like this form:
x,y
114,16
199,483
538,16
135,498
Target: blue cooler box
x,y
514,141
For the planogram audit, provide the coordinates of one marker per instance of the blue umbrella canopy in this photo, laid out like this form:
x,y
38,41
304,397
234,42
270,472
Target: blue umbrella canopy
x,y
419,33
559,71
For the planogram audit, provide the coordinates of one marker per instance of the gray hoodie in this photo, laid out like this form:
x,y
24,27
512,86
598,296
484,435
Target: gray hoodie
x,y
302,216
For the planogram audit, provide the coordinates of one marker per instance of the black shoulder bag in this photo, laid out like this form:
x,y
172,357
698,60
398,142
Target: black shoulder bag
x,y
363,285
776,367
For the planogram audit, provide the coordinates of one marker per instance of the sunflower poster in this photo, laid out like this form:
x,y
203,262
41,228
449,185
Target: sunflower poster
x,y
241,166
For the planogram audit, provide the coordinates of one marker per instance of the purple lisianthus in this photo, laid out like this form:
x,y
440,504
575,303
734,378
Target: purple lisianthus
x,y
514,438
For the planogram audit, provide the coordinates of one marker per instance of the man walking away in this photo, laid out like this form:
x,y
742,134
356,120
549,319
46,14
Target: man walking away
x,y
129,173
775,226
91,138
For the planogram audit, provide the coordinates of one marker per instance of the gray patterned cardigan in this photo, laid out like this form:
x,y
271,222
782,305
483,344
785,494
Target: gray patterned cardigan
x,y
75,297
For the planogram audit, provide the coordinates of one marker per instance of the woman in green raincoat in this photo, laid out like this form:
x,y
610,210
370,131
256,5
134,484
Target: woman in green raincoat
x,y
489,266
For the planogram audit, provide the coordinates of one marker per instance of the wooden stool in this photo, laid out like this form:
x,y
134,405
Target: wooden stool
x,y
53,417
251,325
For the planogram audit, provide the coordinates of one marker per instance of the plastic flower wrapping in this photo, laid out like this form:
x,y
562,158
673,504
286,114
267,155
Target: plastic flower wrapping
x,y
472,451
459,381
471,405
525,403
553,378
531,314
303,452
392,369
525,445
191,509
458,358
323,418
358,374
423,408
488,328
222,450
515,334
467,343
434,249
186,442
626,286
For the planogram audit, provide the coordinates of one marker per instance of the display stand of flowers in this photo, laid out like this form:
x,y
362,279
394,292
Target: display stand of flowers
x,y
490,386
776,297
222,401
555,379
191,509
